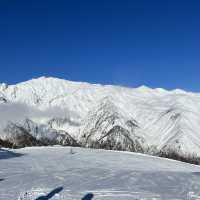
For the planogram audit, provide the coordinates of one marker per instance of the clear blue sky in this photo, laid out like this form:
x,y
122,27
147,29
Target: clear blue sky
x,y
126,42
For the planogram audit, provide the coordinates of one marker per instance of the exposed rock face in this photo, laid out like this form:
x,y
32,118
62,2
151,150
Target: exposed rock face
x,y
3,100
48,135
30,134
6,144
19,136
117,138
106,127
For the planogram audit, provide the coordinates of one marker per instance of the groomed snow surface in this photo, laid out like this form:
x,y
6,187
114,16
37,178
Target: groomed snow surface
x,y
62,173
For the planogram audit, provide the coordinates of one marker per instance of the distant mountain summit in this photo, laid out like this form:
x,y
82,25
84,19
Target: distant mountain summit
x,y
49,110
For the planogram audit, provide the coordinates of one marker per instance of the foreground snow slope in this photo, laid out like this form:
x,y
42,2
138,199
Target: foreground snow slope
x,y
36,171
54,110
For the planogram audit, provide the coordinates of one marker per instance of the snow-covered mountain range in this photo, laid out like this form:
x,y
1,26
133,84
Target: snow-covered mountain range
x,y
54,111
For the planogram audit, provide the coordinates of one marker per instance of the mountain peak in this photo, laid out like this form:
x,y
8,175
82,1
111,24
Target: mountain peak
x,y
144,88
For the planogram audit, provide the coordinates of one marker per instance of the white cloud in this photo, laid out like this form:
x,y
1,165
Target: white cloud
x,y
16,112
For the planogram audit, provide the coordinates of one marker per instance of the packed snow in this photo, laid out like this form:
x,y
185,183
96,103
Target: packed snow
x,y
65,173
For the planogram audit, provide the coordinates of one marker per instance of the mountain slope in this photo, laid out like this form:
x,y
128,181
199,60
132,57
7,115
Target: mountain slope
x,y
106,126
103,116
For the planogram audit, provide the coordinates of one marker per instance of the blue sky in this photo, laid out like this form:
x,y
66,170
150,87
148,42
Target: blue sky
x,y
125,42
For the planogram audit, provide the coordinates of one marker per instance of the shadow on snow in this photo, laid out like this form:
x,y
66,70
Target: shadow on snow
x,y
6,154
88,196
51,194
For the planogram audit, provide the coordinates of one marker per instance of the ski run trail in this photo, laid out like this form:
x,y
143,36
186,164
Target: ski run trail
x,y
62,173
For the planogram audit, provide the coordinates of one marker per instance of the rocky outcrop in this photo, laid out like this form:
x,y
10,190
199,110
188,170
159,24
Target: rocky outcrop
x,y
6,144
19,136
32,134
107,128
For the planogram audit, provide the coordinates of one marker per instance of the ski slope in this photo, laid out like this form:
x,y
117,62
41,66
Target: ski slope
x,y
57,173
